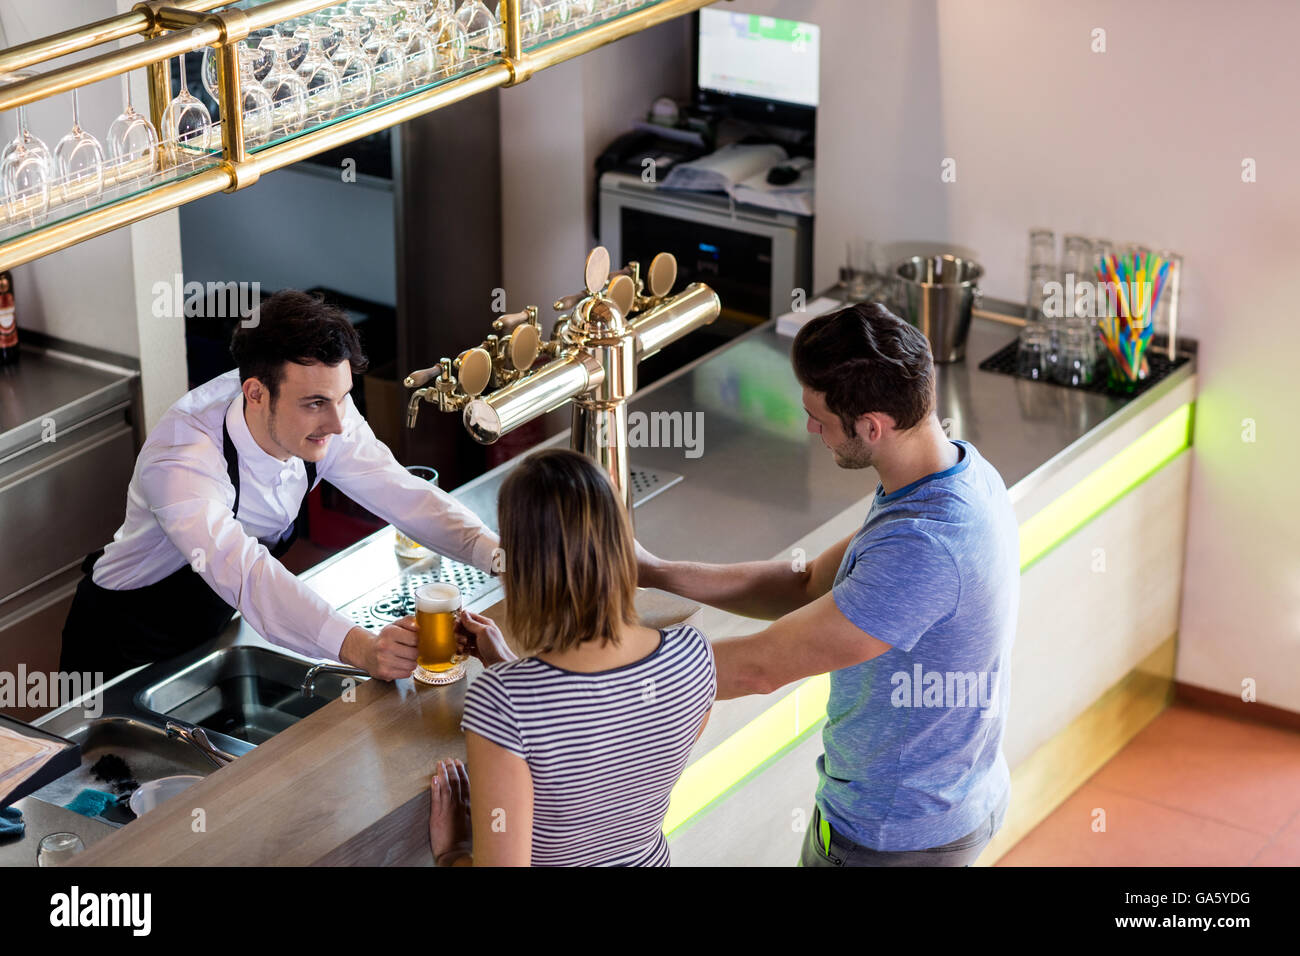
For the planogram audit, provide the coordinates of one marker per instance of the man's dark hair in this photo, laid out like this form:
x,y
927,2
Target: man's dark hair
x,y
866,359
293,326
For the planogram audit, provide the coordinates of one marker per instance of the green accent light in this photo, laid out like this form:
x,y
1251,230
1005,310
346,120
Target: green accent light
x,y
794,716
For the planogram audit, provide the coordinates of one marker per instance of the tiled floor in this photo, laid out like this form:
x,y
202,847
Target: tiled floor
x,y
1192,789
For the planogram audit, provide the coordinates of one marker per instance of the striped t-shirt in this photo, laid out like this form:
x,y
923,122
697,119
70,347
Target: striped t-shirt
x,y
604,749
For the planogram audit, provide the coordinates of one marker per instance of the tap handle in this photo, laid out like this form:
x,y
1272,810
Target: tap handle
x,y
508,322
420,378
622,290
473,370
596,272
662,274
569,301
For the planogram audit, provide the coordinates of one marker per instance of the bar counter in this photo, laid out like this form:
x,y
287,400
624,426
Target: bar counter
x,y
349,784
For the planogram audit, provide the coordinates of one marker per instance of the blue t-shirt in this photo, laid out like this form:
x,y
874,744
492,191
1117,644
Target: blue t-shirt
x,y
913,738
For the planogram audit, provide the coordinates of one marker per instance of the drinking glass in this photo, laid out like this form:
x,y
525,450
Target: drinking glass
x,y
482,31
356,75
295,51
437,606
255,102
79,159
324,84
185,124
1076,364
131,137
557,16
448,37
419,54
1032,352
406,547
583,11
261,62
55,849
288,90
1036,302
385,55
531,18
26,167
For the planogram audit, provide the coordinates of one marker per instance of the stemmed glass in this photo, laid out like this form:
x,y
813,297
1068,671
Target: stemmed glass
x,y
385,55
185,123
448,35
288,90
261,63
131,137
80,160
356,74
583,11
25,166
324,84
482,30
531,19
255,102
420,57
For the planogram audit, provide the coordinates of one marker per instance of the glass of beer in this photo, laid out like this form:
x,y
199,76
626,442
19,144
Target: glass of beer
x,y
437,607
407,547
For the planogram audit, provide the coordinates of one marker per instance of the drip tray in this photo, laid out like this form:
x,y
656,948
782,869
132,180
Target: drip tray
x,y
390,602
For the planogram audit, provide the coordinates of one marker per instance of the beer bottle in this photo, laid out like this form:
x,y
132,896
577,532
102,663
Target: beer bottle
x,y
8,324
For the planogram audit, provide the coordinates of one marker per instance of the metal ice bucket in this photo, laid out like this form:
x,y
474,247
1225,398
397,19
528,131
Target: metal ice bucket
x,y
938,293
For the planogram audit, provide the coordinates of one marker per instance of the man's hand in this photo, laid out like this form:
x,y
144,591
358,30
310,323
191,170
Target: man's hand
x,y
648,567
480,636
388,655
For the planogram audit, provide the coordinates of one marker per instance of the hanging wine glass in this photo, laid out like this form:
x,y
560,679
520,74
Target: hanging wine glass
x,y
531,19
79,159
420,59
296,50
583,11
261,62
324,85
385,55
356,8
329,42
132,140
255,102
287,89
25,167
356,75
556,16
185,124
448,36
482,31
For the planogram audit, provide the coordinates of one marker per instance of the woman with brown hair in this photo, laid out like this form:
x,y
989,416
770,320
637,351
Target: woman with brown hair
x,y
574,748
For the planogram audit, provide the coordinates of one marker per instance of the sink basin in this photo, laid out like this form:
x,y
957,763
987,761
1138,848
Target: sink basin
x,y
146,748
248,693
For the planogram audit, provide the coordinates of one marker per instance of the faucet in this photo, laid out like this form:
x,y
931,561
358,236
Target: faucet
x,y
309,679
599,338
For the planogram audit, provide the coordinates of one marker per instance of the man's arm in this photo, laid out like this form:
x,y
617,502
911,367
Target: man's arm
x,y
364,469
758,589
193,509
813,639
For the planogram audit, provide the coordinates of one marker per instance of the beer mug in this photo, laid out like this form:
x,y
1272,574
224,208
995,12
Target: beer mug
x,y
437,608
406,547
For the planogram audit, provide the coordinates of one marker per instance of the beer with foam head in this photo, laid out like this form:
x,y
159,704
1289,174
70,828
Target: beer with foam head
x,y
436,607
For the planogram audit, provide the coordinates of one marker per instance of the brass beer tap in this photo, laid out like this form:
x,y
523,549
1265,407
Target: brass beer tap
x,y
599,338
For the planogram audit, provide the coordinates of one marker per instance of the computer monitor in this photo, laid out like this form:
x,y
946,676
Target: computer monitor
x,y
757,68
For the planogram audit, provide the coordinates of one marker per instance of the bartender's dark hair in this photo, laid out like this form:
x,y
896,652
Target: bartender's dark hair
x,y
292,326
866,359
570,558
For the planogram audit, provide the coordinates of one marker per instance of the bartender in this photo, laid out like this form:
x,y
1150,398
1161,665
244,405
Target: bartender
x,y
220,492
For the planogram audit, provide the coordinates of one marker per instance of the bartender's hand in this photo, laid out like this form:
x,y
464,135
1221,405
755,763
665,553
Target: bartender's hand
x,y
388,655
480,636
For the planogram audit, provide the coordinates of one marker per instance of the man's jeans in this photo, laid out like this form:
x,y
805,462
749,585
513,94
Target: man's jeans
x,y
844,852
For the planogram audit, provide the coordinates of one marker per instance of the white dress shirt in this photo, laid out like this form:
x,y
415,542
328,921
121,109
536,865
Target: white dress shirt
x,y
178,512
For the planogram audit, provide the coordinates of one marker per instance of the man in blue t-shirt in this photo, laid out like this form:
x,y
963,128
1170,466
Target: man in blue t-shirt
x,y
913,615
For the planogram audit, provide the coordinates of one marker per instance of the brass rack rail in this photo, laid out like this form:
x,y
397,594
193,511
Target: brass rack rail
x,y
188,25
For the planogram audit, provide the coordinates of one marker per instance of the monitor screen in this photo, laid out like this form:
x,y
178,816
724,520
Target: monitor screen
x,y
763,58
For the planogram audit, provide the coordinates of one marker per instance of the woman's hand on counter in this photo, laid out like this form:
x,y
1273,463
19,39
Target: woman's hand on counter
x,y
388,655
480,636
450,833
